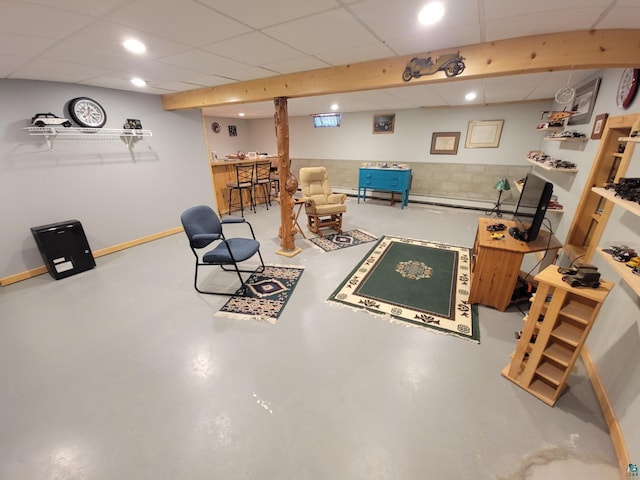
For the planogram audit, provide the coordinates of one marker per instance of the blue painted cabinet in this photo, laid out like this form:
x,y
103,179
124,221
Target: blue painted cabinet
x,y
385,179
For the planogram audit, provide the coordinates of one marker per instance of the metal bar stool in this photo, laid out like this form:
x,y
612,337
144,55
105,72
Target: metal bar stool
x,y
244,181
262,181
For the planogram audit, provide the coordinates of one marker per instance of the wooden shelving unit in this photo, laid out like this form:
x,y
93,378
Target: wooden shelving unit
x,y
554,333
594,209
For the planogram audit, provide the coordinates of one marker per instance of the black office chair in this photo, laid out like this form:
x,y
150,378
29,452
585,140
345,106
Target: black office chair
x,y
203,227
244,181
262,181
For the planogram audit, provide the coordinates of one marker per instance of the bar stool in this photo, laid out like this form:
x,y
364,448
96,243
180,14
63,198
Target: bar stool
x,y
244,181
262,180
275,180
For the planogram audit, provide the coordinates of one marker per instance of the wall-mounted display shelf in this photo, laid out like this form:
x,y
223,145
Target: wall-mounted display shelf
x,y
129,136
629,139
566,139
550,129
551,168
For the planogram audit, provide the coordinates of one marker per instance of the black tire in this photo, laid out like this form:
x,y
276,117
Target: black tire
x,y
66,124
451,69
39,123
407,75
461,67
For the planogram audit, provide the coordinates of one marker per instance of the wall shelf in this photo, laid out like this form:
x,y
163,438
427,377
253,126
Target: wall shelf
x,y
129,136
550,168
566,139
610,195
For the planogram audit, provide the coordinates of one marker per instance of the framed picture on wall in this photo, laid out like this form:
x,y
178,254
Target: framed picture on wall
x,y
584,102
384,123
445,143
484,133
598,126
233,132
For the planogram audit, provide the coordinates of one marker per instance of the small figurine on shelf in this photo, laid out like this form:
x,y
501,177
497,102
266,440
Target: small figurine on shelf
x,y
132,124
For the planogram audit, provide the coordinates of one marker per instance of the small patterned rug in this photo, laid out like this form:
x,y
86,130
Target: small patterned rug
x,y
266,295
337,241
414,282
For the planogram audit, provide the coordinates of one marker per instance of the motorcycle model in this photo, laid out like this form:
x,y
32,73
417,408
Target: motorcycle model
x,y
451,64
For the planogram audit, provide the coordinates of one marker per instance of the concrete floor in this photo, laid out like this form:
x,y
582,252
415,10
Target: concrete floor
x,y
123,372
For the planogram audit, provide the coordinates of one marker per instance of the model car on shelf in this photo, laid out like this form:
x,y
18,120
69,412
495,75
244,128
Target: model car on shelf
x,y
582,276
49,120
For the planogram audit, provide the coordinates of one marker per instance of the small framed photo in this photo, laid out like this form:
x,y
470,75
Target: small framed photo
x,y
384,123
233,132
598,126
445,143
484,133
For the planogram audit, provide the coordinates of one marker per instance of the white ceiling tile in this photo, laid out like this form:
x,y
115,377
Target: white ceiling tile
x,y
112,35
254,49
356,54
38,20
82,6
439,39
204,62
496,9
260,14
324,32
622,17
57,71
90,55
186,22
15,44
10,63
539,23
299,64
250,73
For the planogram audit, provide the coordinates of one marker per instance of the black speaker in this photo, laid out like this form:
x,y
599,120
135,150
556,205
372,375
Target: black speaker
x,y
64,248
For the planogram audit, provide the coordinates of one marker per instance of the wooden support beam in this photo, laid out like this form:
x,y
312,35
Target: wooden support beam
x,y
288,182
538,53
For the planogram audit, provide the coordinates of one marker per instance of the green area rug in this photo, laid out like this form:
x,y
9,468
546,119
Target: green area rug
x,y
266,295
414,282
337,241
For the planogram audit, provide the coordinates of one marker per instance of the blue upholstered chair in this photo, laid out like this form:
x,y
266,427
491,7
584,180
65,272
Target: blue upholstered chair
x,y
203,227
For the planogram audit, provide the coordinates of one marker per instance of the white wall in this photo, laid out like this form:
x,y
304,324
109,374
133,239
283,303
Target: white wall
x,y
117,194
411,140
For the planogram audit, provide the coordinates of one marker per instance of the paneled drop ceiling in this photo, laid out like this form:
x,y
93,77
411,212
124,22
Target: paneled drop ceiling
x,y
199,43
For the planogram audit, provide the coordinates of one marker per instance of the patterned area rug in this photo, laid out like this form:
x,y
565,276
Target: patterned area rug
x,y
414,282
266,295
336,241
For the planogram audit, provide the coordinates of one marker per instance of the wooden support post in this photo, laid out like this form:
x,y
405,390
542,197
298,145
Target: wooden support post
x,y
288,182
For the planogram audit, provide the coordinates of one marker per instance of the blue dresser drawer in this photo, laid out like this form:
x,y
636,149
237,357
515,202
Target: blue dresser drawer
x,y
392,180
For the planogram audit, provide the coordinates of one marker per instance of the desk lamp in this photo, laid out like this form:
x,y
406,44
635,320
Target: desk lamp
x,y
501,185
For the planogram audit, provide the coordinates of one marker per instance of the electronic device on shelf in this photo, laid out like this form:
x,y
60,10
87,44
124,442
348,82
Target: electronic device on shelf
x,y
531,208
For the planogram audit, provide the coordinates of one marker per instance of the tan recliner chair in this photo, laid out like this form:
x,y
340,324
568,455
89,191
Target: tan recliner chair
x,y
324,208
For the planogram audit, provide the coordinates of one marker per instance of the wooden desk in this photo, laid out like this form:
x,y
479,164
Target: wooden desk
x,y
497,263
223,171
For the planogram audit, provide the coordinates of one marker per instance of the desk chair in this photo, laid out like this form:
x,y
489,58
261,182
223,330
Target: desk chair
x,y
244,181
275,180
203,227
262,181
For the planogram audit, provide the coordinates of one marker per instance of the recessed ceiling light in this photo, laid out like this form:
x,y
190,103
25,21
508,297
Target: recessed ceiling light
x,y
335,107
471,96
241,114
135,46
431,13
138,82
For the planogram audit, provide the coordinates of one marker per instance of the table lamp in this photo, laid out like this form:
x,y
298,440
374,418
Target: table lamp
x,y
501,185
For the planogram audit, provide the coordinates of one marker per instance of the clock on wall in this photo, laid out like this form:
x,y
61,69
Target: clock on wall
x,y
627,87
215,126
86,112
